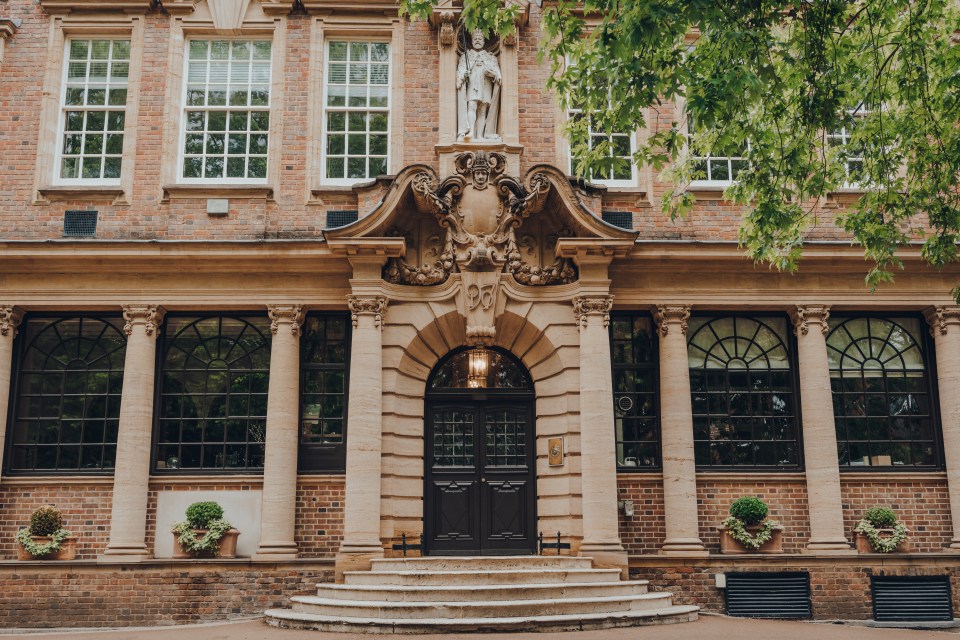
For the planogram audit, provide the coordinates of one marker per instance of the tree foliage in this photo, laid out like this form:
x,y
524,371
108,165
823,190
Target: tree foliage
x,y
772,80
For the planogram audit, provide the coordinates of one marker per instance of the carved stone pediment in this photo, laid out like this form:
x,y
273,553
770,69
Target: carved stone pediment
x,y
481,224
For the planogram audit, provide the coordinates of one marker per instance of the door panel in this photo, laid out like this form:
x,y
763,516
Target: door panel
x,y
480,482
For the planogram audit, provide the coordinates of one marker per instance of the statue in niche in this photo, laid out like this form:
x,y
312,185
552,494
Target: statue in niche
x,y
478,93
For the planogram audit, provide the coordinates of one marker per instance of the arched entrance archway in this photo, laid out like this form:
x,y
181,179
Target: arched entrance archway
x,y
480,479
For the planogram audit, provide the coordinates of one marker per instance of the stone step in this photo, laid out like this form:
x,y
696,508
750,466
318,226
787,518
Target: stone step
x,y
472,593
463,563
481,577
570,622
486,609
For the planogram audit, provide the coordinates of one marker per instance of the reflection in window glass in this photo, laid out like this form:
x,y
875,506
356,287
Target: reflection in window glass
x,y
67,408
213,382
744,409
324,375
881,394
635,384
502,373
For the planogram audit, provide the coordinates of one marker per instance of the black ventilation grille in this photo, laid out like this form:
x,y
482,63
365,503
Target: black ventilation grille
x,y
79,224
769,595
622,219
340,218
911,598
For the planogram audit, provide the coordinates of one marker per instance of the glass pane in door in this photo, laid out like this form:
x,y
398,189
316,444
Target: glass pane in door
x,y
453,438
505,437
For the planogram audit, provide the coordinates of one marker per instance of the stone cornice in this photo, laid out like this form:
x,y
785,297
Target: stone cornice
x,y
9,26
672,314
941,318
10,318
805,315
373,305
291,314
150,315
586,306
65,6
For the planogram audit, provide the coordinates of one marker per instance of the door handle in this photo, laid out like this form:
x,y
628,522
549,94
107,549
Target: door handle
x,y
483,479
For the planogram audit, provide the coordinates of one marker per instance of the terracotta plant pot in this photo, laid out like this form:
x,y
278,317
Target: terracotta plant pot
x,y
730,546
228,545
68,549
864,546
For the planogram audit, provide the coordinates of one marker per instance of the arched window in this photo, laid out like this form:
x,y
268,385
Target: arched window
x,y
213,393
742,384
67,408
881,393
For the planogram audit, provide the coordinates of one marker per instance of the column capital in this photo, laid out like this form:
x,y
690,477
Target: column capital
x,y
805,315
291,314
941,318
448,34
363,305
672,314
586,306
10,318
150,315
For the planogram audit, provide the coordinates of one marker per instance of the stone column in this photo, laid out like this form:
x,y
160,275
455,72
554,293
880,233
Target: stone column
x,y
825,508
676,436
10,318
945,327
598,451
361,516
131,477
279,501
447,124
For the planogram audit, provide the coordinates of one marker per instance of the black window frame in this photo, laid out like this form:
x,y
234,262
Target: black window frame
x,y
790,343
163,342
928,350
654,369
18,354
324,458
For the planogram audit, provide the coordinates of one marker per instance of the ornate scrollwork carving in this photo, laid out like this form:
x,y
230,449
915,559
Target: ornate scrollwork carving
x,y
672,314
584,307
291,313
151,315
447,33
803,316
942,318
482,167
10,318
375,306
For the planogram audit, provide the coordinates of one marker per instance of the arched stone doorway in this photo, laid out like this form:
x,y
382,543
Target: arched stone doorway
x,y
480,455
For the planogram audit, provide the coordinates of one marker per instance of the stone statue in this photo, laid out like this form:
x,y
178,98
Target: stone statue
x,y
478,93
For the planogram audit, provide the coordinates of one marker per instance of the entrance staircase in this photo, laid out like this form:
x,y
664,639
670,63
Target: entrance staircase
x,y
464,594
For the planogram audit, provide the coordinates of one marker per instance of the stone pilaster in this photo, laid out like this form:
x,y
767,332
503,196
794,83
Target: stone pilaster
x,y
676,435
819,431
945,328
131,477
361,517
10,318
279,502
598,451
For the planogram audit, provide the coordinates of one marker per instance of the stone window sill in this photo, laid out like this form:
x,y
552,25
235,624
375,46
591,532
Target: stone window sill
x,y
93,193
200,191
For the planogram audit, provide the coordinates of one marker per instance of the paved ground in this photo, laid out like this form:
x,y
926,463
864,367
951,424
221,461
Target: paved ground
x,y
707,628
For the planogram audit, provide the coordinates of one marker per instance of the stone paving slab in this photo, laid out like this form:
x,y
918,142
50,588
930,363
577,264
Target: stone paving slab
x,y
709,627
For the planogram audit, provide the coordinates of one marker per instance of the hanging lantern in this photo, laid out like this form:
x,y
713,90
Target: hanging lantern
x,y
478,365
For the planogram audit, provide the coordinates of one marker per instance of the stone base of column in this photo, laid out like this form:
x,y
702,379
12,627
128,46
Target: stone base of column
x,y
835,547
355,558
684,548
607,556
124,553
276,551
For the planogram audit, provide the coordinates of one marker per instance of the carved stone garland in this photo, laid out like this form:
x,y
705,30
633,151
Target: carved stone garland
x,y
476,250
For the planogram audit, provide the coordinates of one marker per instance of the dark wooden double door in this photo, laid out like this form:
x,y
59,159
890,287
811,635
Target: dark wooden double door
x,y
480,494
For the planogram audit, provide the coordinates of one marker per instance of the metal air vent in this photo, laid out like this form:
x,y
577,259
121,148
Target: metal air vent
x,y
911,598
769,595
622,219
79,224
340,218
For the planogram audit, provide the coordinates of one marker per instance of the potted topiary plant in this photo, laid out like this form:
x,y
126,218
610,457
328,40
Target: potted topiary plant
x,y
748,530
45,538
879,531
204,533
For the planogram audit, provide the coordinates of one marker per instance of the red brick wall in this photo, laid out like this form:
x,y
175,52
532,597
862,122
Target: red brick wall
x,y
35,596
85,507
319,517
644,532
922,504
786,497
